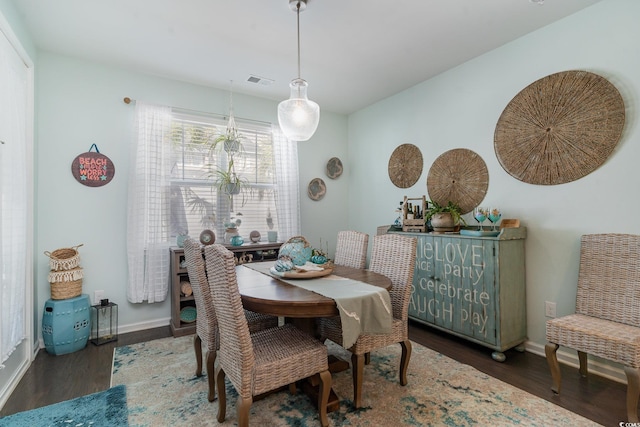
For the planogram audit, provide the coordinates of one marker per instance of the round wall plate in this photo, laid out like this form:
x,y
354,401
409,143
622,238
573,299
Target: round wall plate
x,y
317,189
334,168
405,165
207,237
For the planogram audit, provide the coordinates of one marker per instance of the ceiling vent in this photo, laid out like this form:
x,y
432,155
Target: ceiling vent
x,y
260,80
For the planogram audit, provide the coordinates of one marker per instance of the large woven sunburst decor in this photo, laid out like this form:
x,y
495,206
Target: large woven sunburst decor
x,y
559,128
459,176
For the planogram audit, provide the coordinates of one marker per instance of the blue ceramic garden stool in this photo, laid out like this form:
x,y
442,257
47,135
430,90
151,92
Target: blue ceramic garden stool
x,y
66,325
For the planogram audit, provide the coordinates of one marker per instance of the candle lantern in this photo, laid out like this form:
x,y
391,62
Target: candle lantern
x,y
104,322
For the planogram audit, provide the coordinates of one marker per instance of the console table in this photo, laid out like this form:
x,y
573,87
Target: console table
x,y
472,287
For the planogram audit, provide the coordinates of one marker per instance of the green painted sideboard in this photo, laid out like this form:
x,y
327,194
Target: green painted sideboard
x,y
472,287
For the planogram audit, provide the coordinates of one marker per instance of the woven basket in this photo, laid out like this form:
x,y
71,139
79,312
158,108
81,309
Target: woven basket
x,y
66,283
64,258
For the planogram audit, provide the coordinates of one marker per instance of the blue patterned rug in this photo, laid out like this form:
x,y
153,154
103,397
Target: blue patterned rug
x,y
103,409
163,391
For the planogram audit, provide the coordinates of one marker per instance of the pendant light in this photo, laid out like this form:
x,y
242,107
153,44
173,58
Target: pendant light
x,y
298,116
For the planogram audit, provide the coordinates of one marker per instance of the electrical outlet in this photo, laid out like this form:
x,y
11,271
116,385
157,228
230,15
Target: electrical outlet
x,y
97,296
550,309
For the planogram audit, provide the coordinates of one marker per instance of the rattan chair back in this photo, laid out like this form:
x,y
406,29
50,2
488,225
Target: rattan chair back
x,y
609,278
394,256
236,351
206,321
351,249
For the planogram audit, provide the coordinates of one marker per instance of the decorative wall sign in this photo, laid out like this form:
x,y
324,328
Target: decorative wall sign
x,y
459,176
334,168
93,169
559,128
316,189
405,165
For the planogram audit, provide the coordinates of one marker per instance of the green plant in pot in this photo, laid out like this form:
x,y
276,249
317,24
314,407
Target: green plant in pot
x,y
230,183
444,217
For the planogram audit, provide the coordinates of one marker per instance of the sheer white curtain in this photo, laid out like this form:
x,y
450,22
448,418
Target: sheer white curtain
x,y
285,154
149,206
13,199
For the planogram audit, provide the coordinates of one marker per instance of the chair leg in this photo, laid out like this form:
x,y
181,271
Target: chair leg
x,y
323,397
243,411
633,389
357,371
404,361
197,346
582,357
211,361
552,359
222,394
367,358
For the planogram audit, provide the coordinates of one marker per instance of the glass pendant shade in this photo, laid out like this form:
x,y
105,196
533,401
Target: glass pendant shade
x,y
298,116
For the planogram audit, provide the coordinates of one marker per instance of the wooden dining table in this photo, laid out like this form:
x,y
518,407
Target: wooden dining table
x,y
266,294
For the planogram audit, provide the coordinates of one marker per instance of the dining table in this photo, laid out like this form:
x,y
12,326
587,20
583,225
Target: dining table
x,y
269,294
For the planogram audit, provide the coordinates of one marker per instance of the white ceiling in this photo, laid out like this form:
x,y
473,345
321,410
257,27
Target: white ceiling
x,y
353,52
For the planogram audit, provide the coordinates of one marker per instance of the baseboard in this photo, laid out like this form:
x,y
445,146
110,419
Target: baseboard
x,y
613,373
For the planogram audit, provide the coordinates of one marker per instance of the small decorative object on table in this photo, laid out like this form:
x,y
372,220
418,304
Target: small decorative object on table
x,y
298,249
318,255
413,214
237,240
494,216
254,236
188,314
180,239
185,288
207,237
444,218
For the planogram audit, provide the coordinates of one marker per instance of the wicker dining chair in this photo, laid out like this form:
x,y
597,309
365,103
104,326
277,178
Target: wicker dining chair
x,y
206,323
265,360
394,256
351,249
607,318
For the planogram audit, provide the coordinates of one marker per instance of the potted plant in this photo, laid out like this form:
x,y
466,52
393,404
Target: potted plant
x,y
444,217
230,183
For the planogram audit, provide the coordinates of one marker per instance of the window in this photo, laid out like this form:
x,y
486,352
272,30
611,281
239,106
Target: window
x,y
196,201
171,189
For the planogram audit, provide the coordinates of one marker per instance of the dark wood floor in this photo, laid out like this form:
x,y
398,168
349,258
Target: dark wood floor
x,y
52,379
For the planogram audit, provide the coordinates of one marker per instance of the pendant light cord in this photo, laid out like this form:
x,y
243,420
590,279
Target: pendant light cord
x,y
298,20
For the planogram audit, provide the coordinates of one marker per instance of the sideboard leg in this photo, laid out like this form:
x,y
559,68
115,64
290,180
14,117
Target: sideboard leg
x,y
498,356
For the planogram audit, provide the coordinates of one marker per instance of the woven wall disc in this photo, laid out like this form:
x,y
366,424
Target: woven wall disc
x,y
459,176
405,165
559,128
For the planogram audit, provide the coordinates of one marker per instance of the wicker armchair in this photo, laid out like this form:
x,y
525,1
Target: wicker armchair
x,y
351,249
394,256
607,318
265,360
206,323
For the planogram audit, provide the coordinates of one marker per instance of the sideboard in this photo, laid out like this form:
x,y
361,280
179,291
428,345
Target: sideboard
x,y
248,252
472,287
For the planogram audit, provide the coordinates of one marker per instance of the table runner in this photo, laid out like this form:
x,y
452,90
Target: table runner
x,y
363,308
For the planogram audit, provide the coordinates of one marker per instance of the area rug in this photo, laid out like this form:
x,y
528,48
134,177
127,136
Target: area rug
x,y
103,409
163,391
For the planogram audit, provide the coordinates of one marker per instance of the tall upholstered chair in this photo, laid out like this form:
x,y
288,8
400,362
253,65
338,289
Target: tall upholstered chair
x,y
262,361
394,256
607,318
351,249
206,323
